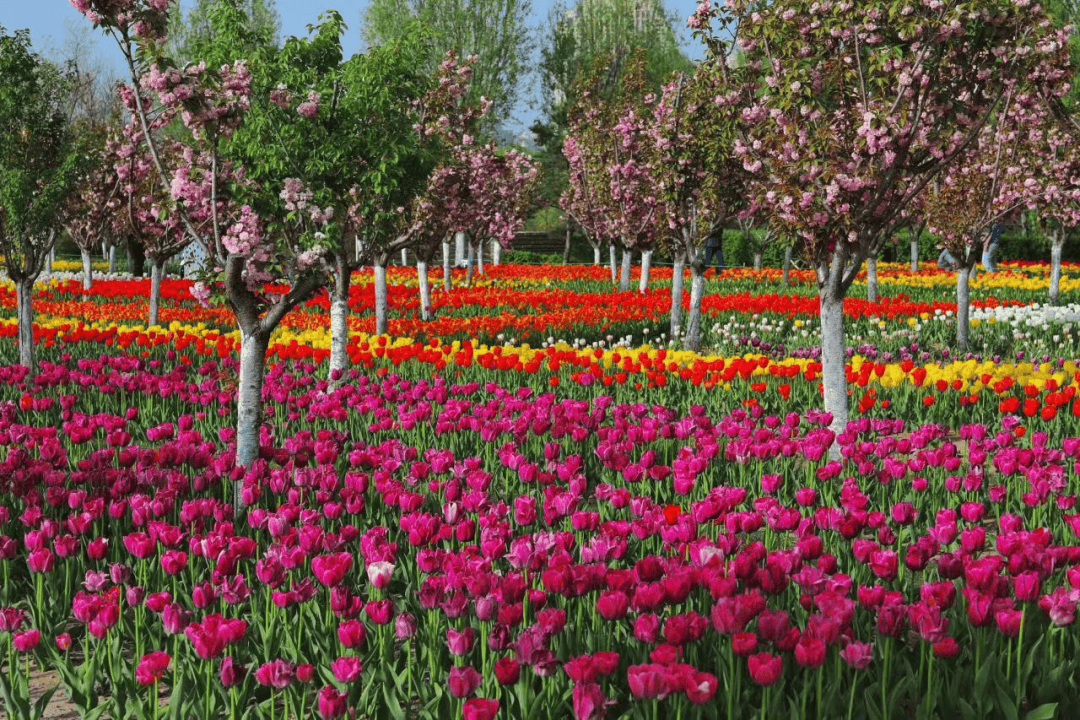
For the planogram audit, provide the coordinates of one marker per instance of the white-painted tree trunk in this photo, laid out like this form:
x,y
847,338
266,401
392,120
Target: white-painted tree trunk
x,y
446,269
758,259
914,254
496,252
1056,243
339,317
677,294
380,295
612,262
871,279
692,339
112,259
249,404
87,270
49,260
566,247
787,267
104,251
425,289
595,254
963,306
478,253
470,264
157,269
833,378
24,308
404,257
624,276
646,265
459,248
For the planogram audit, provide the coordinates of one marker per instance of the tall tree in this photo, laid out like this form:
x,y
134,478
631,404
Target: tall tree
x,y
39,165
860,106
496,31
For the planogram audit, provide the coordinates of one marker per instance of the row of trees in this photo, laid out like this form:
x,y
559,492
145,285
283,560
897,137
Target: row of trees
x,y
841,123
289,167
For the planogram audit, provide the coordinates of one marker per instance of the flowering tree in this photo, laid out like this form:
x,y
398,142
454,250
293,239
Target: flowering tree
x,y
93,207
611,191
860,106
211,104
699,180
39,165
993,178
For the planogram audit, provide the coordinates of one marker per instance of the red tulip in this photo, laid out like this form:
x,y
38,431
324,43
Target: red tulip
x,y
648,681
463,681
701,687
480,709
810,651
764,668
507,671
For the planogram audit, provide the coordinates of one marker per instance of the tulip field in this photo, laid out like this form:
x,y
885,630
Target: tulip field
x,y
535,505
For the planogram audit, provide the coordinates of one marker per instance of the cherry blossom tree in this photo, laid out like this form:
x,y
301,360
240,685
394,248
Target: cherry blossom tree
x,y
607,148
860,106
92,208
699,180
40,163
211,104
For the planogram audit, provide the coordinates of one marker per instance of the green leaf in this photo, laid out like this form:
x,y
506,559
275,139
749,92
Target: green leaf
x,y
43,701
1043,712
1006,705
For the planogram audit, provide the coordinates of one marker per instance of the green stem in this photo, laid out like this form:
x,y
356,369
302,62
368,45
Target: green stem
x,y
1019,655
851,701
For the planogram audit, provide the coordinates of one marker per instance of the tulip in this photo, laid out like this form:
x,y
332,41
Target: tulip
x,y
152,667
346,669
352,633
857,655
277,674
588,701
26,640
463,681
332,703
330,570
507,671
379,574
480,709
460,643
230,672
764,668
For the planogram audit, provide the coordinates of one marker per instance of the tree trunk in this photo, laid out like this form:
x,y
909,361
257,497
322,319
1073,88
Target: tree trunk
x,y
595,254
1057,240
249,403
677,294
692,340
49,260
611,255
87,269
339,316
459,248
833,379
566,247
24,302
157,269
104,251
624,277
787,267
963,304
478,252
112,259
871,279
496,252
380,295
470,265
915,254
404,257
425,289
446,266
757,259
646,265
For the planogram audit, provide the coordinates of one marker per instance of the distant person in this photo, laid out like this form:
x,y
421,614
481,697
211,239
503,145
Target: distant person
x,y
990,247
946,261
714,248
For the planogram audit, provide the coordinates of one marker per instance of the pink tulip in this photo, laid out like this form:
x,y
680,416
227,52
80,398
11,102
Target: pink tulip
x,y
26,640
463,681
152,667
277,674
332,703
346,669
480,709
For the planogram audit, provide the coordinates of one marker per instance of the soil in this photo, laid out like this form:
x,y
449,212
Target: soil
x,y
59,708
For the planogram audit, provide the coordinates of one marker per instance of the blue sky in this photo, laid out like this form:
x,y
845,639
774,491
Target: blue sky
x,y
47,18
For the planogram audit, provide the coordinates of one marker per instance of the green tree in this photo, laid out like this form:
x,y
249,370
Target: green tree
x,y
496,31
191,34
39,163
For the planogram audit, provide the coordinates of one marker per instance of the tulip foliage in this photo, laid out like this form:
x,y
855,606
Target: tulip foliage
x,y
860,106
